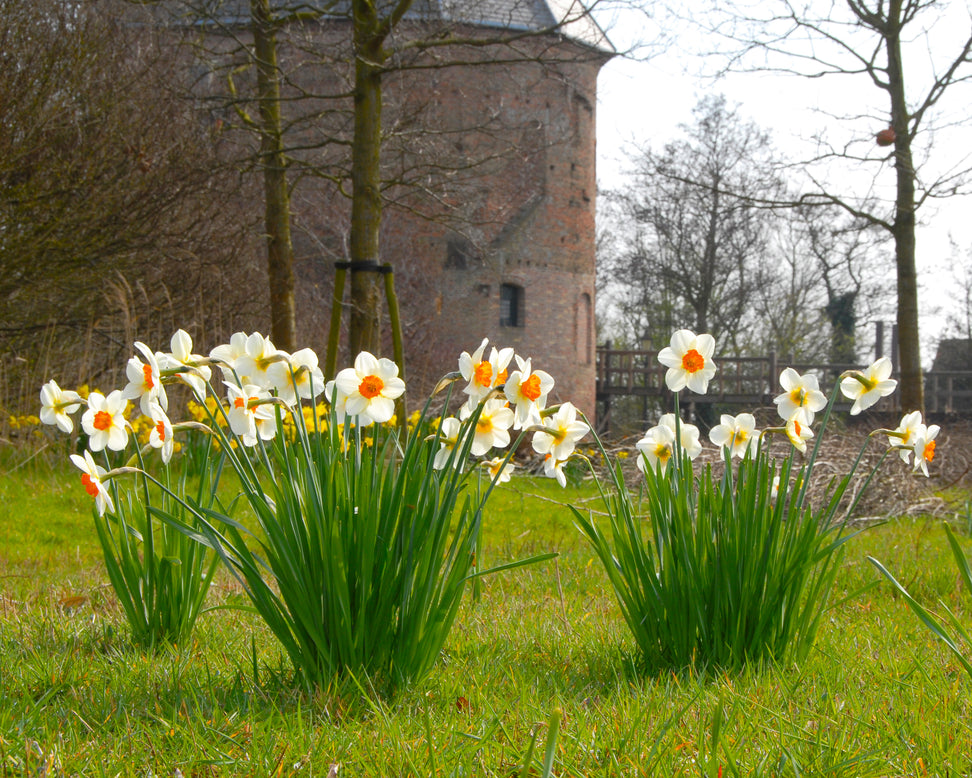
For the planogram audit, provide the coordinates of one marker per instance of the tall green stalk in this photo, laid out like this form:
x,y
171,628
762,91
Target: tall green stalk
x,y
160,575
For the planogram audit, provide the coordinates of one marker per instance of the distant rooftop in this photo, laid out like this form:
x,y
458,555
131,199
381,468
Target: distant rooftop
x,y
569,18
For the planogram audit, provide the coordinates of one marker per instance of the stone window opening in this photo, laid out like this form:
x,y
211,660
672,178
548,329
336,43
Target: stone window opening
x,y
583,329
511,305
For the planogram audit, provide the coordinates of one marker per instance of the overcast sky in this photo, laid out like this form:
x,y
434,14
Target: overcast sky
x,y
644,102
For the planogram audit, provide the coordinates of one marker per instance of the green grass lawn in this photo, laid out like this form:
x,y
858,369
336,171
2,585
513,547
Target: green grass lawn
x,y
879,696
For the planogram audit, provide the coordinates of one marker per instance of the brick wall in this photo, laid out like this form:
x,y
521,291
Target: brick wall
x,y
494,151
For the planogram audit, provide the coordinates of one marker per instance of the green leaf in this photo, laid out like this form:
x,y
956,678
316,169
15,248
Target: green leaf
x,y
926,617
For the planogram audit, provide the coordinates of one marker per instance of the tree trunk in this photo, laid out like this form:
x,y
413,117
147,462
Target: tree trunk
x,y
709,249
280,252
366,287
912,390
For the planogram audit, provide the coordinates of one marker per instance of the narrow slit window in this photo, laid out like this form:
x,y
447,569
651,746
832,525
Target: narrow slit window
x,y
511,305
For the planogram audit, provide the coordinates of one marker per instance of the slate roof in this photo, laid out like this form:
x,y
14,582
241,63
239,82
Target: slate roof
x,y
566,17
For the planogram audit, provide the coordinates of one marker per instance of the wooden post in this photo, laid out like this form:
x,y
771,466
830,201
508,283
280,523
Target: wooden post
x,y
398,348
878,339
603,366
603,373
334,334
773,371
931,400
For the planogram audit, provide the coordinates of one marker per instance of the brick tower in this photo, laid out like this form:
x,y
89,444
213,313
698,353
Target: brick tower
x,y
491,162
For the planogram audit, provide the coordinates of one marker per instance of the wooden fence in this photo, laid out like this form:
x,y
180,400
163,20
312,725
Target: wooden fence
x,y
948,391
753,381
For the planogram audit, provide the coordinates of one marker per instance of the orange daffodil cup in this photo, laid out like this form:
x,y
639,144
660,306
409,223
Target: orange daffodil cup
x,y
689,361
370,388
104,421
91,478
483,375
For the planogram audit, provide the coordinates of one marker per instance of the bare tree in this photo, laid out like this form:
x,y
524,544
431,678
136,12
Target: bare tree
x,y
107,194
848,252
872,40
276,194
698,241
788,298
827,273
959,313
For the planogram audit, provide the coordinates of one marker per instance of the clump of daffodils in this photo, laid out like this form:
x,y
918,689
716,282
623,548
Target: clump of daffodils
x,y
326,463
727,570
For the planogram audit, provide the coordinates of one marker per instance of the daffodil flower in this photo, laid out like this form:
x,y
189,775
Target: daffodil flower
x,y
924,448
104,421
903,437
448,439
866,387
191,368
91,477
736,433
801,399
256,360
798,434
145,381
483,375
492,427
500,471
227,355
688,438
689,361
339,401
57,405
251,415
160,436
299,375
560,432
656,447
527,391
371,387
554,468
